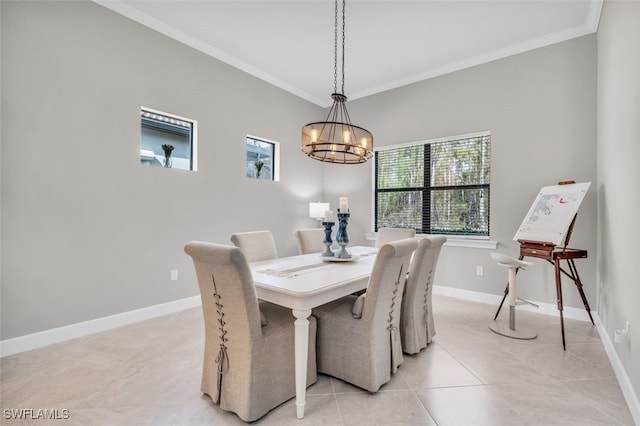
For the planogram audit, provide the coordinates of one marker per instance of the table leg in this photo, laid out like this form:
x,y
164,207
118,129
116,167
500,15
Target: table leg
x,y
301,356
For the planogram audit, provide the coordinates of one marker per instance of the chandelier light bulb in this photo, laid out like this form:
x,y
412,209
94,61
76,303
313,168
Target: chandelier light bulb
x,y
346,136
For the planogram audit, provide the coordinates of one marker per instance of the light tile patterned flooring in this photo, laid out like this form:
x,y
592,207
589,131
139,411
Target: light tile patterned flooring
x,y
149,374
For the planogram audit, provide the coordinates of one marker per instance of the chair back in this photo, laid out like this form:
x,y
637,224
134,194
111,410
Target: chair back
x,y
387,235
382,305
417,327
310,240
256,245
229,305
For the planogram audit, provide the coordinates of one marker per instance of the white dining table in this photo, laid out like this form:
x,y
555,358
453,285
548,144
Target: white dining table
x,y
303,282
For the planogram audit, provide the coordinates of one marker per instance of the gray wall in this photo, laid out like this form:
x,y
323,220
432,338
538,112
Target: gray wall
x,y
618,176
86,230
540,107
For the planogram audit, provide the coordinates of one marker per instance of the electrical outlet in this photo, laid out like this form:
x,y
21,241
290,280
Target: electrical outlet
x,y
174,274
479,271
621,335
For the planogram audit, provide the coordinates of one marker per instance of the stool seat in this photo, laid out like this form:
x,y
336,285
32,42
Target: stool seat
x,y
513,265
509,262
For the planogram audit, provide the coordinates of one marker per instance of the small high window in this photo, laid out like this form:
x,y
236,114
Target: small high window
x,y
262,158
167,140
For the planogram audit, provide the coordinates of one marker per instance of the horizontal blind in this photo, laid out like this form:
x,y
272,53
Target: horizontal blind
x,y
401,168
435,188
461,162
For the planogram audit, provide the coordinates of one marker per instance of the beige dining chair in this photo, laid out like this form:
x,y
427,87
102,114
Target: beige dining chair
x,y
310,240
256,245
386,235
248,361
416,324
358,338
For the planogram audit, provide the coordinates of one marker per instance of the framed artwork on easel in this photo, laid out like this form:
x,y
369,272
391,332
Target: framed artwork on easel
x,y
552,212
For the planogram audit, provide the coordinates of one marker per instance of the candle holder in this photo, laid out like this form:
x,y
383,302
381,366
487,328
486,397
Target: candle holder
x,y
327,239
342,238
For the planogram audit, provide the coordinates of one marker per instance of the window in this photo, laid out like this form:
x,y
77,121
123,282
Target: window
x,y
435,187
167,140
262,158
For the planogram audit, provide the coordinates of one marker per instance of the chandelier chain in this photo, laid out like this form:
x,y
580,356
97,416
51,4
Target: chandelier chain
x,y
335,49
343,25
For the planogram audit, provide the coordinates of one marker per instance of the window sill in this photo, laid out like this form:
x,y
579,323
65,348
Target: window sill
x,y
456,241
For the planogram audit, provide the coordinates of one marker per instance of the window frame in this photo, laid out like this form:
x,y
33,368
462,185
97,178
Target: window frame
x,y
275,172
167,128
427,184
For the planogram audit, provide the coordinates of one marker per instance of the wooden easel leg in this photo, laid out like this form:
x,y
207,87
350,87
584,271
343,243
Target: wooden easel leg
x,y
506,292
559,299
578,283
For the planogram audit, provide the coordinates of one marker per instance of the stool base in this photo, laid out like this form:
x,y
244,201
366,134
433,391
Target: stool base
x,y
504,330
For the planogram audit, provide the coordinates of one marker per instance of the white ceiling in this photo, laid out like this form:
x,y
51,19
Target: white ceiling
x,y
388,43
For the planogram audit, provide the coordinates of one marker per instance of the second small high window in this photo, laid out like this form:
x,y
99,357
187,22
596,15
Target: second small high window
x,y
262,159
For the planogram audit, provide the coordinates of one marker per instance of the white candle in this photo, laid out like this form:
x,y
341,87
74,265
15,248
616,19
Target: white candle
x,y
344,205
328,216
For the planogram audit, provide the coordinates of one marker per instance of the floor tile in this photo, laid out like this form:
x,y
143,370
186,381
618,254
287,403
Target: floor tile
x,y
383,408
468,405
434,368
603,394
549,404
495,365
149,373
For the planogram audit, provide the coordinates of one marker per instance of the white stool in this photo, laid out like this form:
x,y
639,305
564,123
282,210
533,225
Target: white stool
x,y
513,265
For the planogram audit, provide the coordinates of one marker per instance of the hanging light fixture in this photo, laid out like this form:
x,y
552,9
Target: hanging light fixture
x,y
336,140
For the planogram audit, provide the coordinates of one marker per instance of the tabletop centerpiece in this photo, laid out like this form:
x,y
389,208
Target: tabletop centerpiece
x,y
342,237
328,224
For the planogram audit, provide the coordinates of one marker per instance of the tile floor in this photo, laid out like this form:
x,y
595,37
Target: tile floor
x,y
149,374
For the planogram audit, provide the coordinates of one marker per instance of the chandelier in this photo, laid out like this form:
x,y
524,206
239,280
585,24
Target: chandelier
x,y
336,140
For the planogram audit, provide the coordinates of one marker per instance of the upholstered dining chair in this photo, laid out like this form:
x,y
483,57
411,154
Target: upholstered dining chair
x,y
310,240
256,245
416,323
386,235
249,347
358,338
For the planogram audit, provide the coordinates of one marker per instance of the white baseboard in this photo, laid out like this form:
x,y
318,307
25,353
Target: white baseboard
x,y
492,299
61,334
574,313
623,379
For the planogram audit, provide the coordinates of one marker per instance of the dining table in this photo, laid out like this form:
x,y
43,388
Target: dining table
x,y
304,282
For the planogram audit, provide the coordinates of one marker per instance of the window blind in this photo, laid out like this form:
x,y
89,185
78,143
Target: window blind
x,y
435,187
